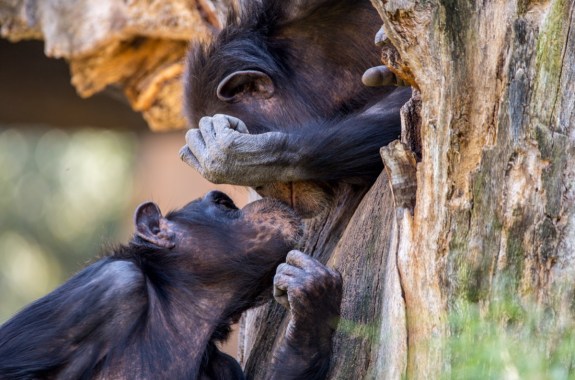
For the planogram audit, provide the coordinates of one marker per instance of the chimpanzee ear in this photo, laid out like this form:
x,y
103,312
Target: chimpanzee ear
x,y
151,226
247,83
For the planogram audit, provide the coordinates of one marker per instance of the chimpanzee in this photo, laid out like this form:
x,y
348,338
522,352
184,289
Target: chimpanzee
x,y
155,308
279,102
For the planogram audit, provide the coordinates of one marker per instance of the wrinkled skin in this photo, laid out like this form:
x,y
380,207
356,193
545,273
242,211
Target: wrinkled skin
x,y
276,100
156,307
298,285
223,151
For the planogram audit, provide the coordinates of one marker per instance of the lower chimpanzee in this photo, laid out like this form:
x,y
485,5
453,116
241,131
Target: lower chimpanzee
x,y
155,308
279,102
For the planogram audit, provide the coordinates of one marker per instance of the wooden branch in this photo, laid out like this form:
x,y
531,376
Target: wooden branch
x,y
400,168
136,45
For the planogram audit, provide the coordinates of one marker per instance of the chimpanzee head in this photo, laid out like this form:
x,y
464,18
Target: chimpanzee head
x,y
294,67
219,249
279,64
154,308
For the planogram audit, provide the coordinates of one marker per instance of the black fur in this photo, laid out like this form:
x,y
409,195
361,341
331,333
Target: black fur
x,y
315,52
141,312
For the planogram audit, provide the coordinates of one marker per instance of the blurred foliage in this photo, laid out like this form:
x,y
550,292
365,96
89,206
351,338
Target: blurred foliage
x,y
510,339
63,195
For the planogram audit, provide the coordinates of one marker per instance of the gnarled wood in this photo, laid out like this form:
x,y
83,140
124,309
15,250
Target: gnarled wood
x,y
495,201
135,45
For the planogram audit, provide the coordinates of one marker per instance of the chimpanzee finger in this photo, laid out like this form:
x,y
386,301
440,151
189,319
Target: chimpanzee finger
x,y
231,122
380,37
289,270
282,300
221,122
282,283
286,277
187,156
194,139
208,131
378,76
305,262
224,135
196,144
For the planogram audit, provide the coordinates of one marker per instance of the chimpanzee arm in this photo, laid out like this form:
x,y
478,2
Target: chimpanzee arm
x,y
223,152
312,294
67,332
348,148
221,366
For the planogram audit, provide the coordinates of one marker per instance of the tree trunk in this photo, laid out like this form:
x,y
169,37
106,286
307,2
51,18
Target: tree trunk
x,y
359,237
263,327
493,213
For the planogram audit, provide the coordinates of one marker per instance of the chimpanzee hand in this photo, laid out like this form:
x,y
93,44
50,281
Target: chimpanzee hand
x,y
379,76
312,294
223,151
310,290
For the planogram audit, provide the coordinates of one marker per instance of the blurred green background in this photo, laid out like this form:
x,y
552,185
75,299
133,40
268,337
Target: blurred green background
x,y
72,171
63,195
66,173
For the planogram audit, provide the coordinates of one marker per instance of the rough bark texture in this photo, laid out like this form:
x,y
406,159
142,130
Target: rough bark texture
x,y
372,301
495,186
261,328
136,45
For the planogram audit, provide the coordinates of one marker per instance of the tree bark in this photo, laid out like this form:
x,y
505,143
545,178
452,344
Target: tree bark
x,y
495,194
263,327
493,212
361,237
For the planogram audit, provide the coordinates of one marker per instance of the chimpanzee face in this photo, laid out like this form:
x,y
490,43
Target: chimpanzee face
x,y
214,239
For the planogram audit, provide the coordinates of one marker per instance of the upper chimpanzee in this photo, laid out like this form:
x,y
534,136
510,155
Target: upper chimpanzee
x,y
155,308
285,79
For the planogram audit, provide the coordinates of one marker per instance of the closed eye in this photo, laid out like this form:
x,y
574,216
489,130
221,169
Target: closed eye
x,y
225,202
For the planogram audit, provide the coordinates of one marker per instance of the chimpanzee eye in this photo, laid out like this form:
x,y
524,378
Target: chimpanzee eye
x,y
226,202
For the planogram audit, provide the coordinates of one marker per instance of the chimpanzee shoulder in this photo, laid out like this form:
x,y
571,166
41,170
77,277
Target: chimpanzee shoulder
x,y
156,307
